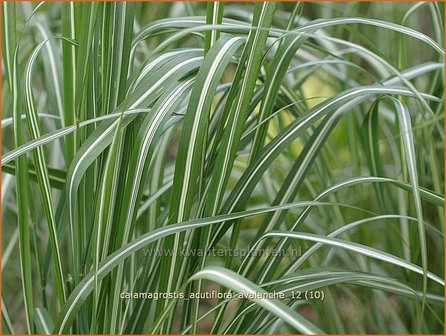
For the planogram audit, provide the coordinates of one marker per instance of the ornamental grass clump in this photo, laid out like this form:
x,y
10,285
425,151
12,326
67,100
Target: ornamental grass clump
x,y
223,168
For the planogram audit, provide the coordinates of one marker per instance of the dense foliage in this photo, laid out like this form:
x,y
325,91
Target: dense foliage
x,y
135,135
